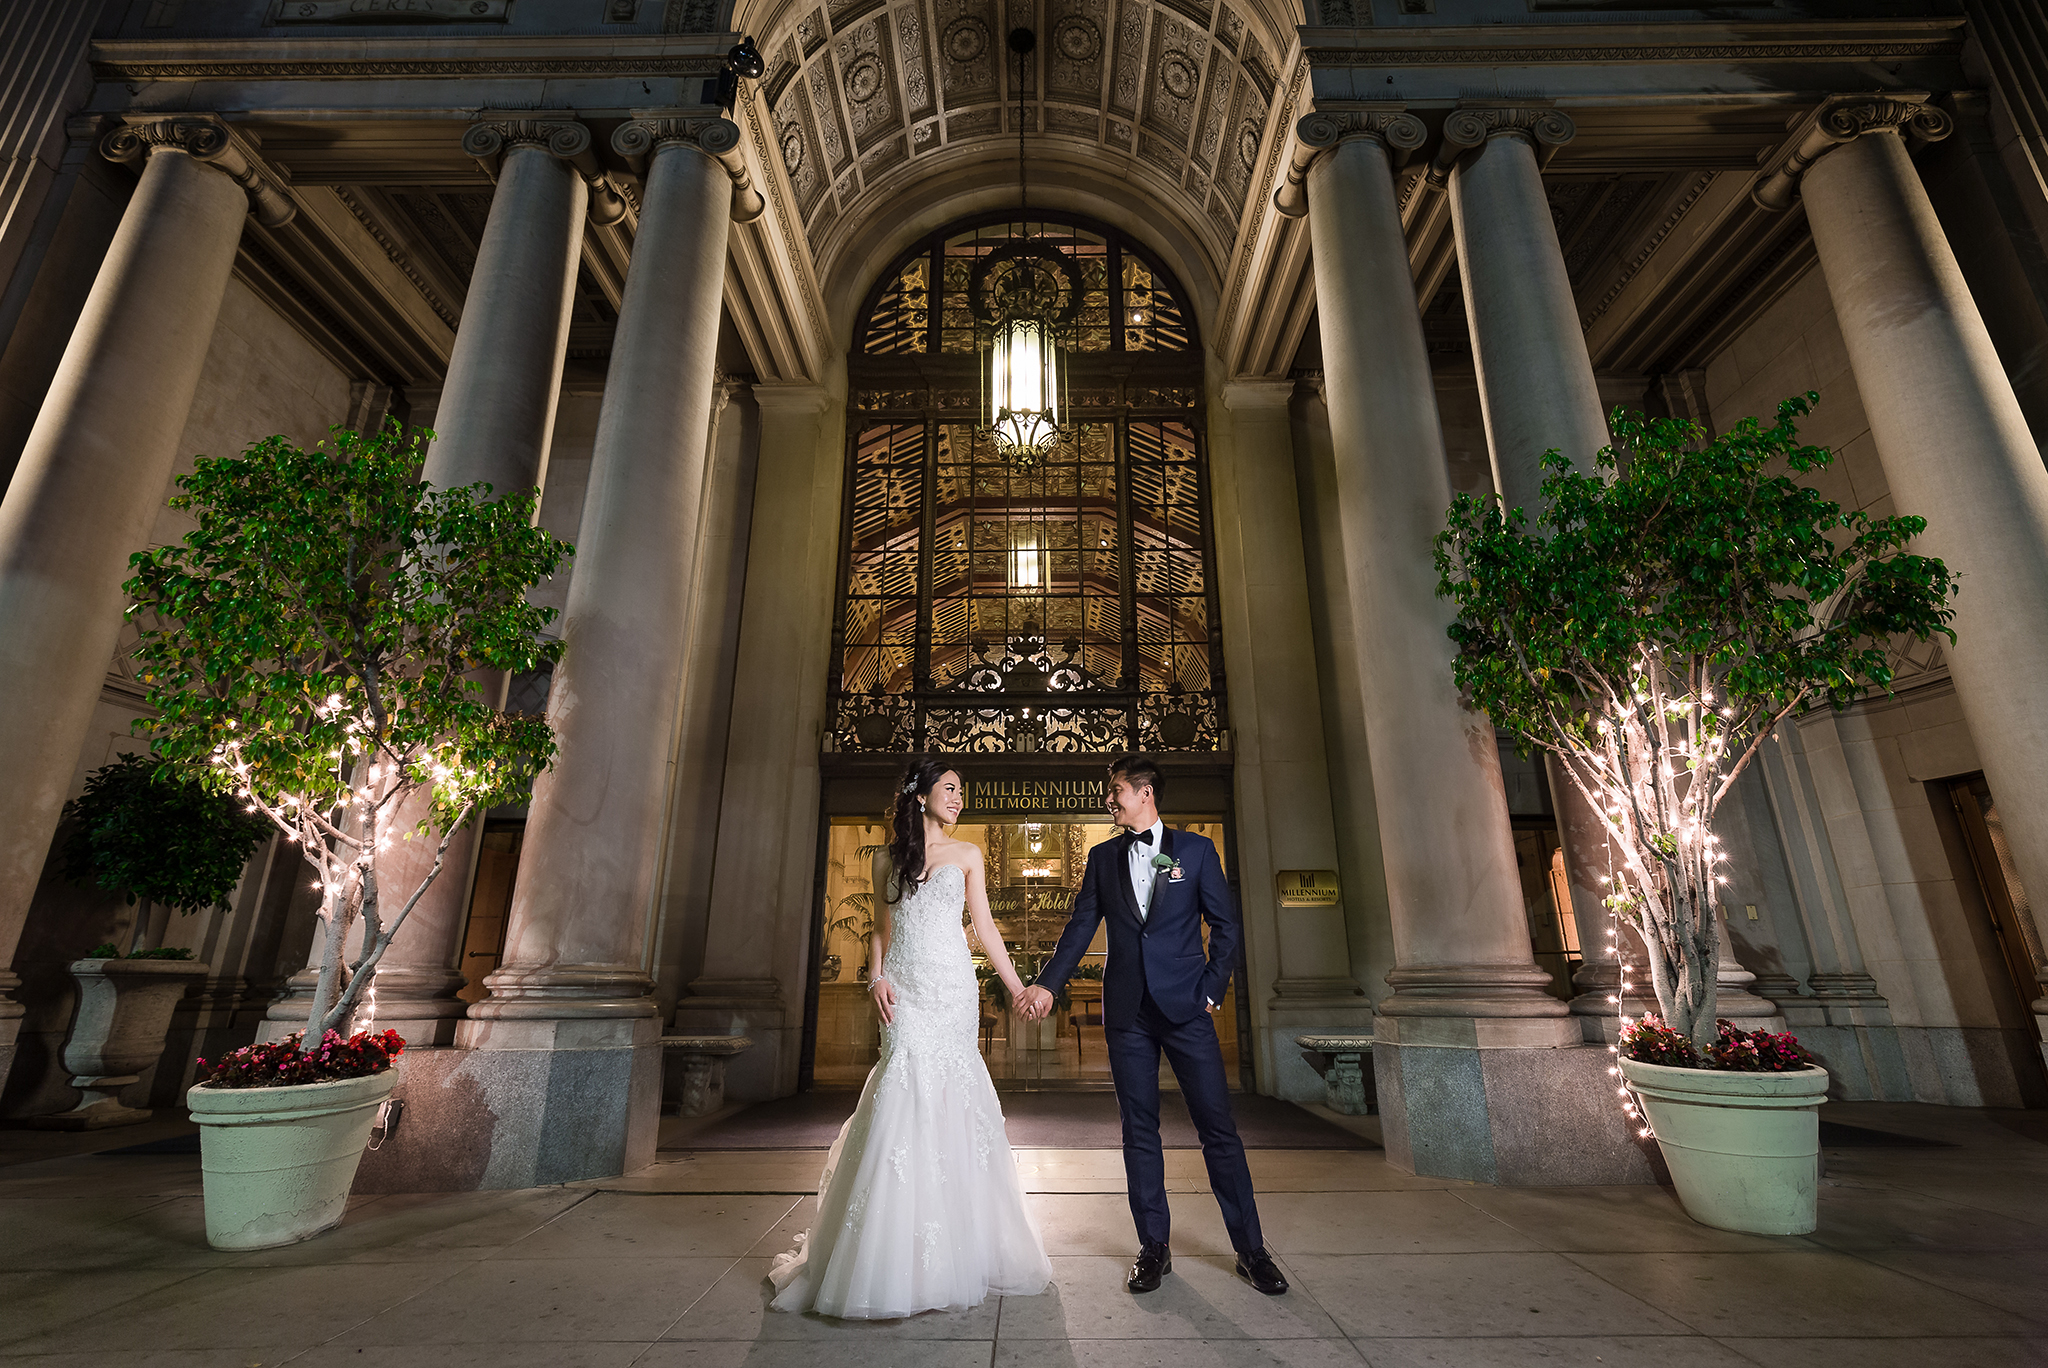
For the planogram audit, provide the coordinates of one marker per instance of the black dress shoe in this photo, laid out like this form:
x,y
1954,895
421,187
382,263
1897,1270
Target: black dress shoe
x,y
1155,1261
1258,1269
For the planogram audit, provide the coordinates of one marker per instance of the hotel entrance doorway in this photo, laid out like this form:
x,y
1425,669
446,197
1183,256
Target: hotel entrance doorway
x,y
1035,866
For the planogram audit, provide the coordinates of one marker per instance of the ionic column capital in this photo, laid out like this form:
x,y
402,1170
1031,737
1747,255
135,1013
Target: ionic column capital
x,y
1391,126
1470,127
565,139
1841,119
646,136
208,140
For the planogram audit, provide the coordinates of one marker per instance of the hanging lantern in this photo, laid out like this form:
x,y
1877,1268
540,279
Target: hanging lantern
x,y
1023,389
1024,296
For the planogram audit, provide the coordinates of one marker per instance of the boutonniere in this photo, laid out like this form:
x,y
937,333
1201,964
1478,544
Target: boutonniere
x,y
1166,862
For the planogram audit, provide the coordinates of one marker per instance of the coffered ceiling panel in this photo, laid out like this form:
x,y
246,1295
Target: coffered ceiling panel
x,y
860,91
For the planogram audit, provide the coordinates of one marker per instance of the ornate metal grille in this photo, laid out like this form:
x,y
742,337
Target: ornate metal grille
x,y
1065,608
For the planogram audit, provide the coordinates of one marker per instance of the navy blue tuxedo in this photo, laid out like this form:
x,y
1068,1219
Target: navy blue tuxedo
x,y
1160,957
1156,990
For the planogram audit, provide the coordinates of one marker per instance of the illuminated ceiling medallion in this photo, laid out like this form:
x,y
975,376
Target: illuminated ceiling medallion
x,y
1024,296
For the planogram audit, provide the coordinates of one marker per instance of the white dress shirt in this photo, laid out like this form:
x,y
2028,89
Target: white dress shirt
x,y
1140,861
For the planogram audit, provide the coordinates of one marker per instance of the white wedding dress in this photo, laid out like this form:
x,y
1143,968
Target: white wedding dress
x,y
920,1207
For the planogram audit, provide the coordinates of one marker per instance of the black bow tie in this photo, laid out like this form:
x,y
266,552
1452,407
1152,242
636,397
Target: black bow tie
x,y
1143,837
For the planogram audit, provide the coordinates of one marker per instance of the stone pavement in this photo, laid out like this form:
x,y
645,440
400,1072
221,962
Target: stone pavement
x,y
1933,1247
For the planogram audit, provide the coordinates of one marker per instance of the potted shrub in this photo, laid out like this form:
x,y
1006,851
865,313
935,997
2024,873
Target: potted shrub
x,y
1739,1126
160,839
1664,616
283,1129
312,648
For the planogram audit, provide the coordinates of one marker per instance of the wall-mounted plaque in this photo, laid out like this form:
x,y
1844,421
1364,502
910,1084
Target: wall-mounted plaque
x,y
1307,887
394,11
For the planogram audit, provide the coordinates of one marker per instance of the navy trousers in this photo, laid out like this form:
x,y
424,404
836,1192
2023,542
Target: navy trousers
x,y
1191,1048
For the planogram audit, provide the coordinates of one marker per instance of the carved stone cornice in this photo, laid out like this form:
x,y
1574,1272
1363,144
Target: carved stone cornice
x,y
206,139
1469,127
1840,119
640,139
490,138
1391,126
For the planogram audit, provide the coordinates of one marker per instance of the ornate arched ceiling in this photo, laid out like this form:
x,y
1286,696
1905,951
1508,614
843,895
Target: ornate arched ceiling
x,y
869,99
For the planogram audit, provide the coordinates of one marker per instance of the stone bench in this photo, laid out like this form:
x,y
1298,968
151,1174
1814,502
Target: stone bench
x,y
1344,1084
704,1059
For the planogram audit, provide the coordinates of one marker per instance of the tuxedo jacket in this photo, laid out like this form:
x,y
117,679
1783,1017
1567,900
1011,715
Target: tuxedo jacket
x,y
1160,957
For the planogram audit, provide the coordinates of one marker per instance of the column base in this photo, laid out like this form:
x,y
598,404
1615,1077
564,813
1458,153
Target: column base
x,y
1297,1073
1510,999
754,1008
1507,1116
419,1004
523,1104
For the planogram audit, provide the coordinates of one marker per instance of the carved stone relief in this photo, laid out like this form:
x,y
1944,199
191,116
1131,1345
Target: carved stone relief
x,y
825,108
970,46
1176,78
1074,59
868,80
917,83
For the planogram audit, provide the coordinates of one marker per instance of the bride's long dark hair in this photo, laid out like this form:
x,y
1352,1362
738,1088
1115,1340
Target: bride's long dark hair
x,y
906,851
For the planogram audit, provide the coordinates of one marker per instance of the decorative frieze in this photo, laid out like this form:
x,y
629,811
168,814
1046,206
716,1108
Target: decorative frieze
x,y
204,138
1837,120
1391,126
639,139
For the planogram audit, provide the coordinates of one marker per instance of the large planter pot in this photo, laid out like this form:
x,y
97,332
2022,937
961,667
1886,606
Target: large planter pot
x,y
124,1013
1743,1148
279,1162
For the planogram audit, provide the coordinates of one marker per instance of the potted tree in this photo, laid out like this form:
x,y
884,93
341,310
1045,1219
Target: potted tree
x,y
1653,629
159,839
311,648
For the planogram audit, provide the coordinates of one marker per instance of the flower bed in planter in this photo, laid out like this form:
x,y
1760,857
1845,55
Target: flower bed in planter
x,y
282,1130
1739,1129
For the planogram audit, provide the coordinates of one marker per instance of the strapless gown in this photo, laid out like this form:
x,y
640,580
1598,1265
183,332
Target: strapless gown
x,y
920,1207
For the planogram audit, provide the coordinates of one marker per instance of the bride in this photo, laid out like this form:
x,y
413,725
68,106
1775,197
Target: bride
x,y
920,1207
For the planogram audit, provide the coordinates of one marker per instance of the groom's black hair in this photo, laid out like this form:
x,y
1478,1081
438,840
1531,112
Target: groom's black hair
x,y
1139,771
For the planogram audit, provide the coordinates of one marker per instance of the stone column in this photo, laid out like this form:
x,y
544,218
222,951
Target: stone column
x,y
1285,819
93,474
755,943
1538,392
493,426
1468,1016
1954,444
569,1010
1536,386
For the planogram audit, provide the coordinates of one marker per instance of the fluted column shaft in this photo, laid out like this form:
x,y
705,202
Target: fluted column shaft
x,y
494,426
575,942
1460,938
1956,451
92,477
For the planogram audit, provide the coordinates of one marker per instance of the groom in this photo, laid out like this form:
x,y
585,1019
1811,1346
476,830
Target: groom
x,y
1157,886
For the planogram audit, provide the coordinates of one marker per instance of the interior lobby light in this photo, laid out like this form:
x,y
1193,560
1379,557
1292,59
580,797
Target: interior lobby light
x,y
1023,389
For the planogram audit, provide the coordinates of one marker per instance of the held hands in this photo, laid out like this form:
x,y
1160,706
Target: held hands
x,y
884,994
1035,1003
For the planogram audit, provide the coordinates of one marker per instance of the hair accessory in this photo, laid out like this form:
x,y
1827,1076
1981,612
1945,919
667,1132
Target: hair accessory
x,y
910,784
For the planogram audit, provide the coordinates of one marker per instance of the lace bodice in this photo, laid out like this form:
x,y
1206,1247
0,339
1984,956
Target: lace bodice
x,y
927,939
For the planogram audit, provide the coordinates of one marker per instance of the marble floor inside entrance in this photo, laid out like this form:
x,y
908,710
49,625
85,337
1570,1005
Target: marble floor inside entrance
x,y
1932,1248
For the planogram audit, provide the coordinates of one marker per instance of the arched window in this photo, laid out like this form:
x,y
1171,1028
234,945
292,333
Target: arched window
x,y
1067,607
